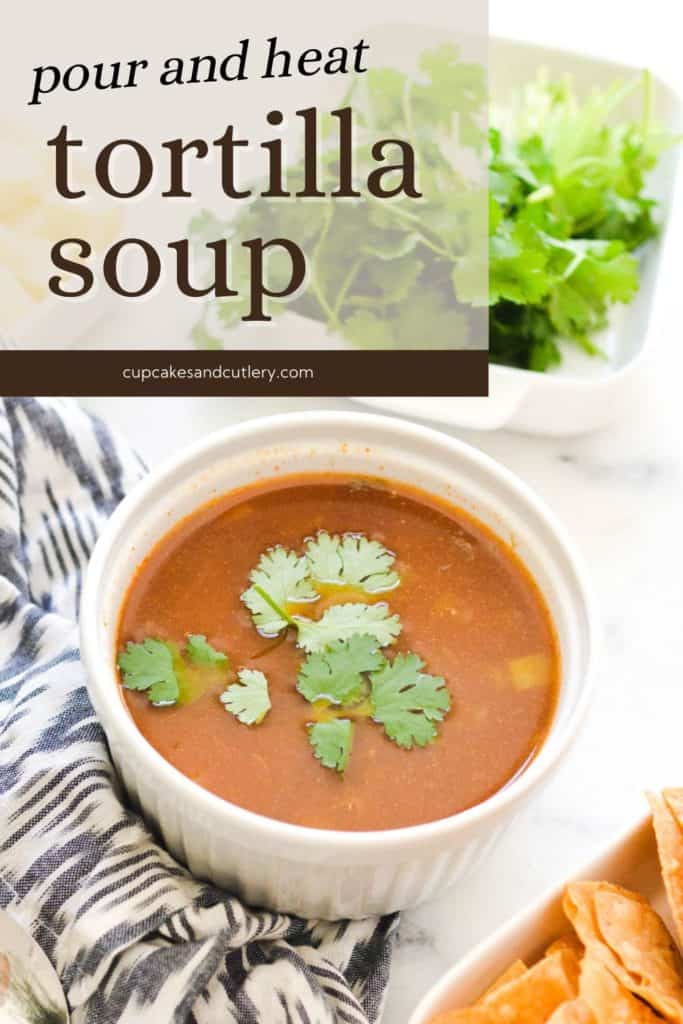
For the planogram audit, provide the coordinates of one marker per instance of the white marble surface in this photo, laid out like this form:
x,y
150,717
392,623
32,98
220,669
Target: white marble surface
x,y
620,493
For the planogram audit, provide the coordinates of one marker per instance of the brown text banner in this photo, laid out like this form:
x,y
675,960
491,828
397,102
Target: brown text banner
x,y
265,373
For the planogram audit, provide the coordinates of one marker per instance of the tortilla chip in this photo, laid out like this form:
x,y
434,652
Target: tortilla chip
x,y
534,995
609,1001
674,798
575,1012
669,832
513,972
568,942
624,933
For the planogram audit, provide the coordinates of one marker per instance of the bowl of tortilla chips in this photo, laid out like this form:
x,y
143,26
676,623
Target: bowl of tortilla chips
x,y
604,948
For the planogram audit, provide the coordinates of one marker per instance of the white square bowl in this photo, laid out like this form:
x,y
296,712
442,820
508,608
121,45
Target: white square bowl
x,y
631,861
583,393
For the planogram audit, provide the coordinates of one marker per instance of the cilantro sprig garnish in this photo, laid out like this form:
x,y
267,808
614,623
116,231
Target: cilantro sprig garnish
x,y
200,651
351,560
351,680
156,667
280,578
248,699
149,667
407,701
283,581
345,676
159,668
343,621
336,673
331,742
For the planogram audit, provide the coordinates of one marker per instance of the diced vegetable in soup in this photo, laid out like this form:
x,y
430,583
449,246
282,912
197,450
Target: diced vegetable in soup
x,y
339,653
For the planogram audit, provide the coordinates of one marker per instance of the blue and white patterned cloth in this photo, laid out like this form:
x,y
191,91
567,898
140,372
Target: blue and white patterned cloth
x,y
132,936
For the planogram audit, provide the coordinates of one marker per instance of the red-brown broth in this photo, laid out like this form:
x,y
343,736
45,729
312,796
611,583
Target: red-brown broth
x,y
468,607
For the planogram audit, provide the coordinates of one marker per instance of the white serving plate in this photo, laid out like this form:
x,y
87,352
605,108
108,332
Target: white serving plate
x,y
584,393
631,861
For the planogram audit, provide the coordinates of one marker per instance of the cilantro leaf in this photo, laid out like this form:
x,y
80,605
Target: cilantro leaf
x,y
369,330
282,576
407,701
336,673
331,742
149,666
351,560
598,273
518,265
202,653
248,699
342,621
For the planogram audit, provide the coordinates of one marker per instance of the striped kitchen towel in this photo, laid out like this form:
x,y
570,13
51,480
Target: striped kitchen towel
x,y
132,936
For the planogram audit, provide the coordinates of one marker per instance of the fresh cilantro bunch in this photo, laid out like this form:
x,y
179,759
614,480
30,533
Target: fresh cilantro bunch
x,y
567,213
380,271
568,210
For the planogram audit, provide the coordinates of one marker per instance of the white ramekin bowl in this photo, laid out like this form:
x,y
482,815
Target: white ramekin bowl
x,y
270,863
